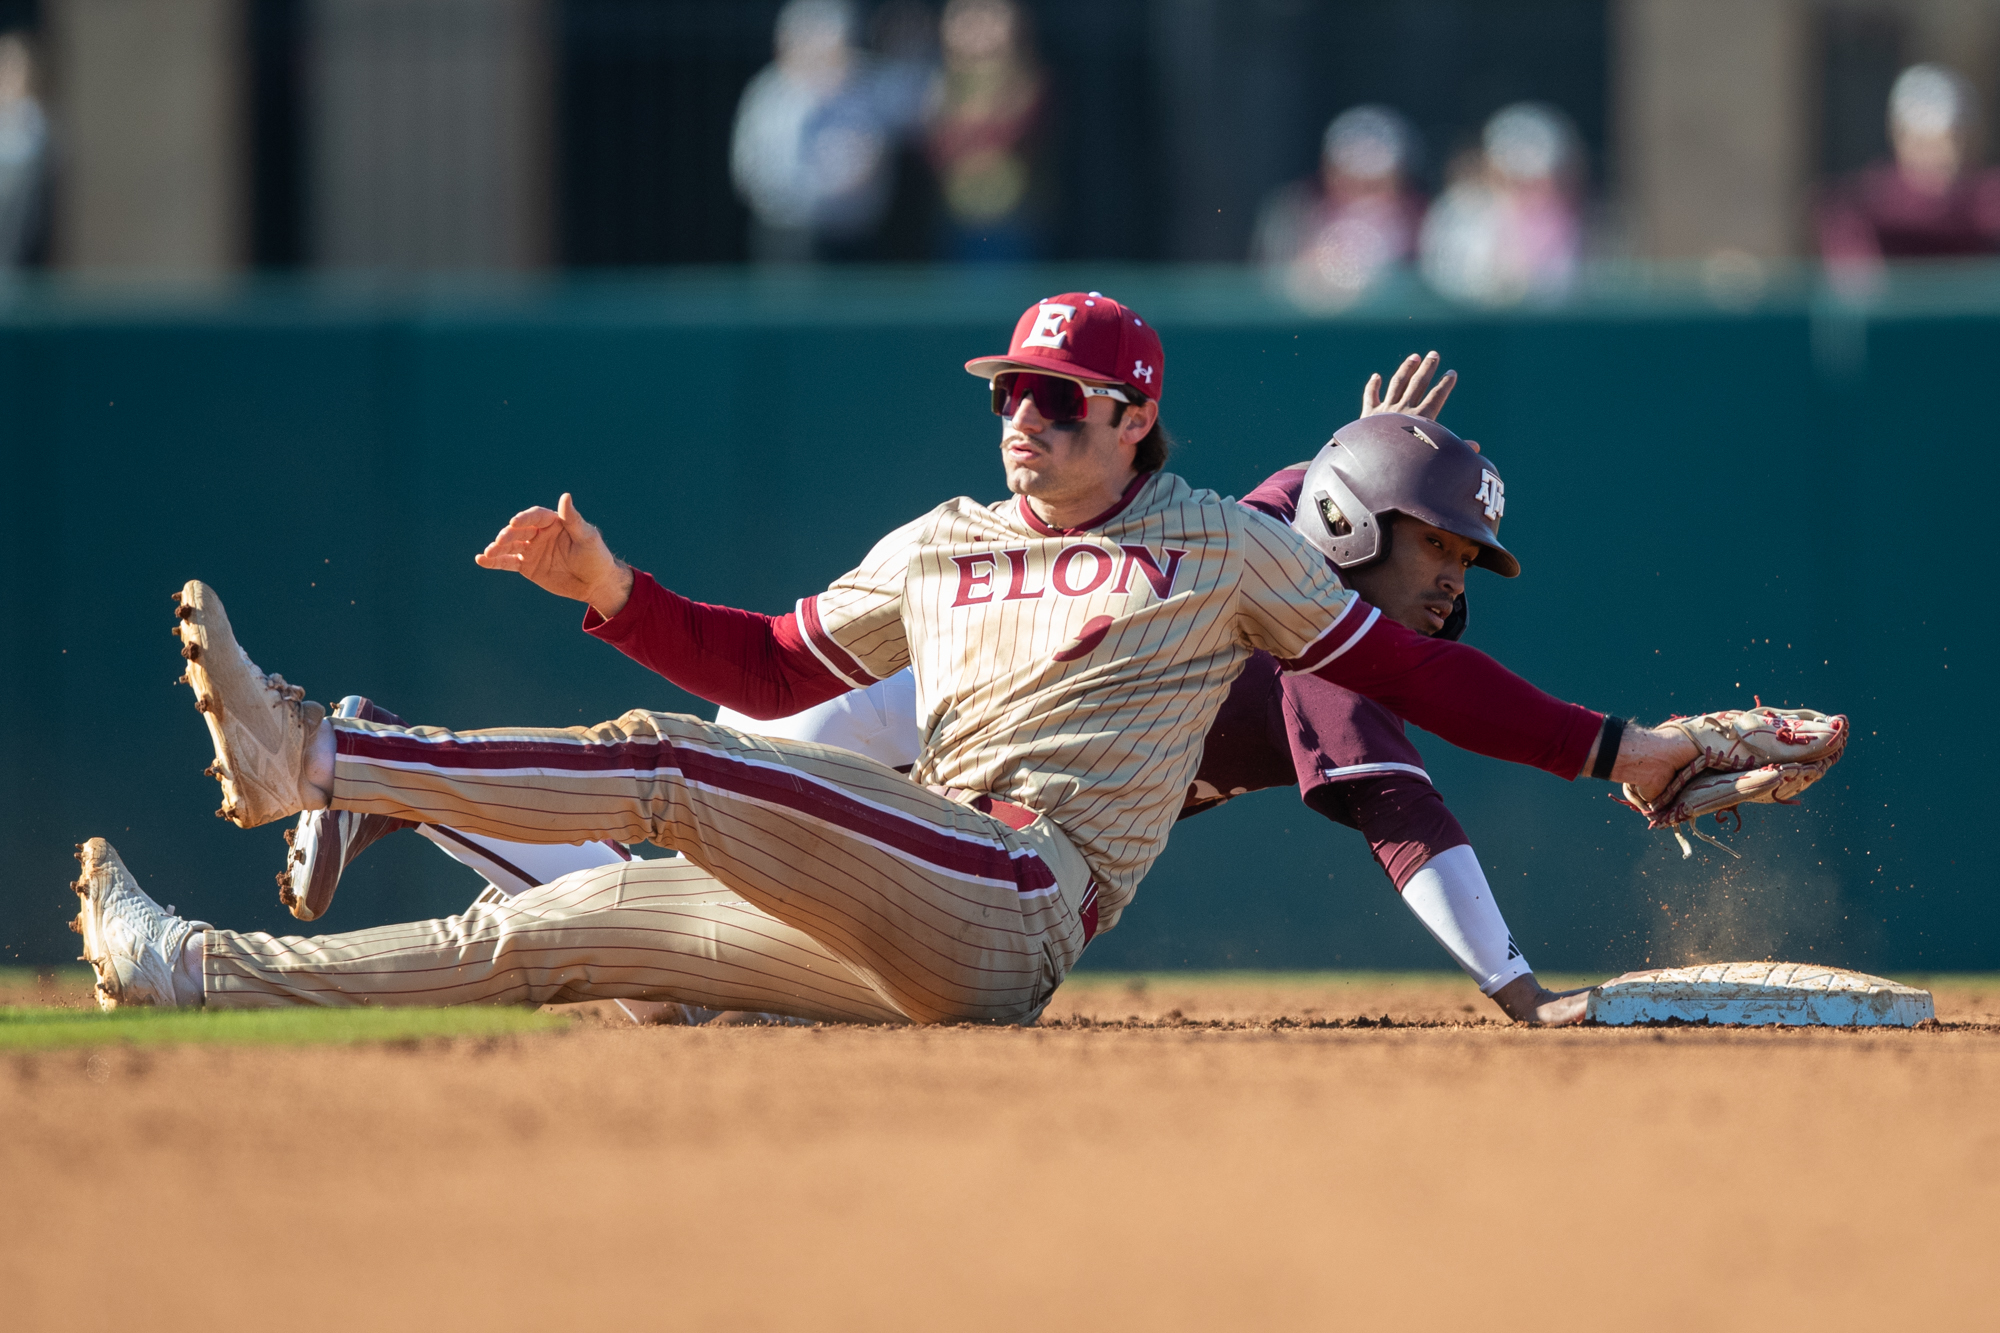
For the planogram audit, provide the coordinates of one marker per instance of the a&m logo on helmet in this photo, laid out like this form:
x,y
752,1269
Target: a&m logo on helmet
x,y
1049,321
1491,494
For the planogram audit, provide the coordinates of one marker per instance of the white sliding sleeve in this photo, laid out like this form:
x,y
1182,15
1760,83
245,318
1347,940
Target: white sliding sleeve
x,y
1451,897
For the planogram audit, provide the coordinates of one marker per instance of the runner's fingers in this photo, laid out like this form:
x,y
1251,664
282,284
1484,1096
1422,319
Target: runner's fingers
x,y
1421,378
1401,379
1434,400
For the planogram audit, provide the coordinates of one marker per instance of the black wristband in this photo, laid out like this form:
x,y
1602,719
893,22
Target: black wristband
x,y
1607,747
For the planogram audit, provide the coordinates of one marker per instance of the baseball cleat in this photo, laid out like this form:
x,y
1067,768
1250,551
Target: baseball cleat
x,y
130,941
260,724
326,841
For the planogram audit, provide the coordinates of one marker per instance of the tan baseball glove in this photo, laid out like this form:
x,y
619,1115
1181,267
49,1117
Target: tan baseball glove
x,y
1746,756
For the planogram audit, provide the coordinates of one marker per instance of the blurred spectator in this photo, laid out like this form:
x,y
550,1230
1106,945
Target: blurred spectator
x,y
904,33
1328,241
815,137
1507,228
987,110
24,142
1930,201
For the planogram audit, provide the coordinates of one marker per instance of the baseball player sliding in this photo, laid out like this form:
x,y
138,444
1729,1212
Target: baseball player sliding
x,y
1348,756
1070,648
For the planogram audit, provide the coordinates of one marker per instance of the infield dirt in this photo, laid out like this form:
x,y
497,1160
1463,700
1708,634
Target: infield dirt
x,y
1214,1153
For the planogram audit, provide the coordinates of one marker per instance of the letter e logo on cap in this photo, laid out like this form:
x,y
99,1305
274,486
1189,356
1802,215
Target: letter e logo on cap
x,y
1049,321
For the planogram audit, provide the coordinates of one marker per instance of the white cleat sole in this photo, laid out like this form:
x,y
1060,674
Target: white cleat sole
x,y
259,724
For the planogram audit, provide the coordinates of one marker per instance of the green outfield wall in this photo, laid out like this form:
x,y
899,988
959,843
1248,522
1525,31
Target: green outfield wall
x,y
1790,497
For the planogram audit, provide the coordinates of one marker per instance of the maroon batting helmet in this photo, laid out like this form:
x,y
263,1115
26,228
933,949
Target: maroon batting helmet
x,y
1395,464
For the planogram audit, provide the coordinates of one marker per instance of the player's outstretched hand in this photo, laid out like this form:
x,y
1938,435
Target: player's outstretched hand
x,y
1410,391
557,550
1723,760
1525,1001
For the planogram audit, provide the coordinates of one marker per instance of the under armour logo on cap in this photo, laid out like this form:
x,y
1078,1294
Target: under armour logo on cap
x,y
1048,330
1142,371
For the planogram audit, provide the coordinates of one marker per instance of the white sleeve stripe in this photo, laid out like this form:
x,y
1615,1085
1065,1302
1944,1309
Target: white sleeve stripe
x,y
1305,666
1374,614
806,628
1327,633
1369,770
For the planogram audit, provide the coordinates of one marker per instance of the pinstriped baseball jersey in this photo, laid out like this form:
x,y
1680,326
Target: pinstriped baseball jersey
x,y
1075,672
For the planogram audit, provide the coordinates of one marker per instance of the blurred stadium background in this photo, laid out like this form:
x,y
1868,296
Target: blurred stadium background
x,y
305,296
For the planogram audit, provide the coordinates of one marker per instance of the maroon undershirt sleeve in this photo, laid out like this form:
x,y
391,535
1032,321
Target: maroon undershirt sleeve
x,y
756,664
1401,815
1278,495
1465,697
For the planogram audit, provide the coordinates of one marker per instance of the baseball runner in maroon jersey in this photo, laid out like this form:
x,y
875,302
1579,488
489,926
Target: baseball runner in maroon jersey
x,y
1070,647
1347,756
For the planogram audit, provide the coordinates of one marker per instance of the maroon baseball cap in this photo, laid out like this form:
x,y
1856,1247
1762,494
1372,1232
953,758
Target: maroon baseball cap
x,y
1085,335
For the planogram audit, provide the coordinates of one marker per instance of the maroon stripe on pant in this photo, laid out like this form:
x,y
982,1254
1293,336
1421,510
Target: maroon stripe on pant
x,y
784,787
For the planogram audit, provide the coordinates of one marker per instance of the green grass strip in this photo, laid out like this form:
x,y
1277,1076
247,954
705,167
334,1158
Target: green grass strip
x,y
52,1029
1084,978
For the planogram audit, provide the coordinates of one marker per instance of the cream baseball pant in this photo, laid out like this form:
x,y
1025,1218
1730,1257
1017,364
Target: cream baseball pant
x,y
817,883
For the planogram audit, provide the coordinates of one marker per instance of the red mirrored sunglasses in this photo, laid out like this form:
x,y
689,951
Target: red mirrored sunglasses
x,y
1059,400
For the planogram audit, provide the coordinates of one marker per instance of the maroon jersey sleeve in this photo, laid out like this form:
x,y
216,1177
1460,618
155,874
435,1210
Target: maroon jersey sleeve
x,y
1453,691
1335,734
756,664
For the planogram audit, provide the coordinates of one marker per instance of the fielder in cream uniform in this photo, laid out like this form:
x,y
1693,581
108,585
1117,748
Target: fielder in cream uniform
x,y
1070,646
1346,756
